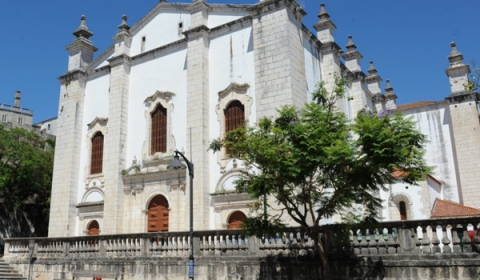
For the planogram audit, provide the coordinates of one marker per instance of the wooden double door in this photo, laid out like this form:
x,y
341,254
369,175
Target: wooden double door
x,y
158,214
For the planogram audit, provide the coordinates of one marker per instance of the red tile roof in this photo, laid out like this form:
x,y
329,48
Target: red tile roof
x,y
417,104
446,208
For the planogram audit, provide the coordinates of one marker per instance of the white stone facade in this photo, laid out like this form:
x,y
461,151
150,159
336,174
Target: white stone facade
x,y
206,56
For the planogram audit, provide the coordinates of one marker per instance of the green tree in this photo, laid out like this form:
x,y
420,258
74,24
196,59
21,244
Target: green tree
x,y
314,162
26,167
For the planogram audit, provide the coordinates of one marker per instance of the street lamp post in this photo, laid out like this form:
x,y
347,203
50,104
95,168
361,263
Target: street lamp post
x,y
175,165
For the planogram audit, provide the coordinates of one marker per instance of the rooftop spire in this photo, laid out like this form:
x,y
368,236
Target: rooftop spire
x,y
82,31
389,89
372,70
123,27
323,15
455,57
350,45
324,19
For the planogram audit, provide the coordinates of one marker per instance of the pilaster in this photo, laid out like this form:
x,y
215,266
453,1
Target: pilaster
x,y
198,136
115,140
359,93
463,107
279,56
64,198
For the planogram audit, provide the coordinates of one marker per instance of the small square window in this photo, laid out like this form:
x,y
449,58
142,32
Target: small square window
x,y
48,127
20,121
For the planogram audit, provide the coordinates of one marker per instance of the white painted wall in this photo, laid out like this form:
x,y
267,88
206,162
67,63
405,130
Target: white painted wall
x,y
434,121
96,105
312,67
163,73
218,18
231,61
161,30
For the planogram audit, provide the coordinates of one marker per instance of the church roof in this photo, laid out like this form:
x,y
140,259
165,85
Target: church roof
x,y
417,104
446,208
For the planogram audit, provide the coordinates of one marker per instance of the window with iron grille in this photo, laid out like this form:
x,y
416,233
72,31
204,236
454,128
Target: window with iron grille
x,y
234,116
96,161
159,130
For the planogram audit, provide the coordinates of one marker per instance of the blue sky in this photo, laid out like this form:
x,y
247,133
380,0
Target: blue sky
x,y
409,41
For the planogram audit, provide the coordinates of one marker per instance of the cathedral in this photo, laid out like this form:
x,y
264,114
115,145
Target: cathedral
x,y
123,113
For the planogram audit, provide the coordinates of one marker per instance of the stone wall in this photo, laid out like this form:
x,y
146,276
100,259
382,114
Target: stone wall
x,y
423,249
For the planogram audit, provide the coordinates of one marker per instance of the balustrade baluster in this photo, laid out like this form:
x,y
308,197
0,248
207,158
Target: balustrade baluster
x,y
430,238
449,238
420,239
439,232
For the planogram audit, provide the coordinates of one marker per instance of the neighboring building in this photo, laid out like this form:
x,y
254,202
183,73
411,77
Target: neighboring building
x,y
212,66
15,116
48,127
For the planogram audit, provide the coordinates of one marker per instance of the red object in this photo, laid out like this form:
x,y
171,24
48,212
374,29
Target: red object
x,y
471,234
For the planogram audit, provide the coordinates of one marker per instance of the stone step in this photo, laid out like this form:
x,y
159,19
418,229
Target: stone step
x,y
8,273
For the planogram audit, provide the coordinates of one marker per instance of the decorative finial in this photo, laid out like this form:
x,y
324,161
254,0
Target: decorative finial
x,y
372,70
82,31
323,15
455,57
389,91
350,45
123,27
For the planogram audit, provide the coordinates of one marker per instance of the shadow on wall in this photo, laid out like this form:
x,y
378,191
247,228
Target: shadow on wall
x,y
29,222
343,265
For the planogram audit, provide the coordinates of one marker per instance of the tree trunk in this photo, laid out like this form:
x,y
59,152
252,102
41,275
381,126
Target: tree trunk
x,y
327,275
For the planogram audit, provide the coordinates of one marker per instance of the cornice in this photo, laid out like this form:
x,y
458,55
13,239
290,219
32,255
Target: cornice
x,y
238,88
119,59
72,75
165,95
464,96
81,43
273,5
97,120
331,47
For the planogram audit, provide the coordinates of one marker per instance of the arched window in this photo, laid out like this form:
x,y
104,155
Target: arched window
x,y
403,210
236,219
158,214
159,130
234,115
93,228
96,160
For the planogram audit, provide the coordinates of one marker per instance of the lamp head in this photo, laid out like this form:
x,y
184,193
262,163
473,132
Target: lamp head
x,y
176,164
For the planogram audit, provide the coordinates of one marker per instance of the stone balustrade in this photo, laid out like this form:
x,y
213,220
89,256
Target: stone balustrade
x,y
402,237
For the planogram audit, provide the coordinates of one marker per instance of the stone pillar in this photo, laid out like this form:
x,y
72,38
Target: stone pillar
x,y
330,52
359,94
279,56
115,141
198,42
390,97
373,84
465,127
63,211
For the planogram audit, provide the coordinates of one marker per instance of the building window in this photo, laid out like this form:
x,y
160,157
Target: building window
x,y
48,127
158,136
234,116
96,160
4,118
403,210
20,121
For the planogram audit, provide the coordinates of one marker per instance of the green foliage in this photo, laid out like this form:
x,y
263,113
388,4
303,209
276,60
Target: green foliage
x,y
26,166
315,162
